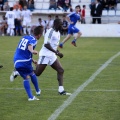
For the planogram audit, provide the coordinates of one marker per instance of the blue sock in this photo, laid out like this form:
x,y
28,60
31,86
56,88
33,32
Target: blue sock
x,y
74,40
35,82
27,88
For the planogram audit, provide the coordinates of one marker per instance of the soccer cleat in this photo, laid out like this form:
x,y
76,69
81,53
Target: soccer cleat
x,y
38,93
13,75
74,43
61,45
64,93
32,99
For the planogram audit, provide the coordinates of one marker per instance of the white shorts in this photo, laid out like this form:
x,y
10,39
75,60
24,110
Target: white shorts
x,y
26,23
47,60
11,26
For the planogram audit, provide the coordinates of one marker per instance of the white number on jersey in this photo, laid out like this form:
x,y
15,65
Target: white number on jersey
x,y
10,15
23,44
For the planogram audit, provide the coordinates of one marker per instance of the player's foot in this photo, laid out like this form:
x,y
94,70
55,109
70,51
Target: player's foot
x,y
61,45
1,66
38,93
13,75
64,93
32,99
74,43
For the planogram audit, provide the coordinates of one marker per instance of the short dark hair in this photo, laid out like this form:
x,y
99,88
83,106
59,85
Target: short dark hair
x,y
56,24
77,6
84,6
11,8
38,30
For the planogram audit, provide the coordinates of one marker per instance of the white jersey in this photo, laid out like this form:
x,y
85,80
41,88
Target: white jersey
x,y
10,15
17,13
52,37
26,14
41,24
49,24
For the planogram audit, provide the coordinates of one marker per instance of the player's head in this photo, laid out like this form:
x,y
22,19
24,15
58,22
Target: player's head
x,y
38,31
77,8
64,17
57,25
39,19
97,1
17,7
84,6
25,7
11,8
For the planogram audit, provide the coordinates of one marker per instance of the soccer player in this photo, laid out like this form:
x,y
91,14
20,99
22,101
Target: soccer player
x,y
26,16
10,15
48,52
23,61
72,29
18,26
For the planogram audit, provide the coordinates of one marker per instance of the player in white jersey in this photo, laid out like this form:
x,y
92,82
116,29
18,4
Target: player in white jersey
x,y
49,23
26,16
48,54
18,26
10,15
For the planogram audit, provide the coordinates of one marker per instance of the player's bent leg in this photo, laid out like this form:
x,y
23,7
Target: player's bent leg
x,y
35,83
65,40
60,71
28,90
76,36
29,30
13,75
39,69
24,29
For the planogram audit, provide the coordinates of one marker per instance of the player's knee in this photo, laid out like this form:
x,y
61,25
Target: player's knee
x,y
61,71
37,73
79,34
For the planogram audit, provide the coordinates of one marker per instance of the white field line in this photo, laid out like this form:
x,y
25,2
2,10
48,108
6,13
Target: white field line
x,y
67,102
99,90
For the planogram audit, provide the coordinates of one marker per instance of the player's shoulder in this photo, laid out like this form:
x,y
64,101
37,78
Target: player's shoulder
x,y
72,13
30,38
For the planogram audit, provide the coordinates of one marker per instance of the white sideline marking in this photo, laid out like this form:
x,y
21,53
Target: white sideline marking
x,y
81,88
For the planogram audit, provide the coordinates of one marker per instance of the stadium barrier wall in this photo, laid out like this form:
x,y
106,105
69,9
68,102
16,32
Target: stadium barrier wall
x,y
99,30
88,30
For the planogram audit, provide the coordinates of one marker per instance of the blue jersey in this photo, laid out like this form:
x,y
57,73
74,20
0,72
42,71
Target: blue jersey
x,y
74,17
22,56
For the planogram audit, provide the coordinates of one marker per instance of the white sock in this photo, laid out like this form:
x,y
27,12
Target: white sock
x,y
16,73
60,89
8,30
29,29
11,32
24,30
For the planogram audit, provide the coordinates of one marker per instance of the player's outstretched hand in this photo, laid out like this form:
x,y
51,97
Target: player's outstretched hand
x,y
60,54
35,52
35,62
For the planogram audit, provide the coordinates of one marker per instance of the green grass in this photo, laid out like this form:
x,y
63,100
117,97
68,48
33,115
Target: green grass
x,y
100,100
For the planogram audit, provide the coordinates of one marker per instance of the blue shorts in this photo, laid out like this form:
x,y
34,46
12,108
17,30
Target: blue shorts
x,y
24,72
72,29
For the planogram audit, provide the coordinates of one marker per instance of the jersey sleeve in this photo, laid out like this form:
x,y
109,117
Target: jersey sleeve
x,y
32,41
71,14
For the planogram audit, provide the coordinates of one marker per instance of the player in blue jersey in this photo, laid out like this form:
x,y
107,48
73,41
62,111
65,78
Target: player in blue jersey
x,y
72,18
23,61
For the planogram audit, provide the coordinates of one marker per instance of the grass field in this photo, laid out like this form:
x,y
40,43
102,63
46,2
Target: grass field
x,y
99,100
